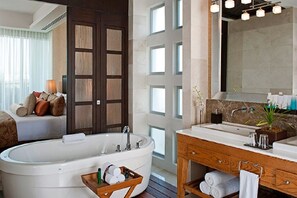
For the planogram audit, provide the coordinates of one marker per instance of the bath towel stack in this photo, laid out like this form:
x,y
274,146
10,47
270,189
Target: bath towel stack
x,y
219,184
111,174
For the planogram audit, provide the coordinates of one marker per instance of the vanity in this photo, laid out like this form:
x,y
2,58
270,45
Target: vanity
x,y
223,150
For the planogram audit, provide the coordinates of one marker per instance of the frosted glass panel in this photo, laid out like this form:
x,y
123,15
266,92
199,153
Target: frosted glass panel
x,y
83,63
158,100
179,13
114,40
158,19
83,116
159,137
157,60
179,102
179,58
83,37
114,64
114,113
114,89
83,90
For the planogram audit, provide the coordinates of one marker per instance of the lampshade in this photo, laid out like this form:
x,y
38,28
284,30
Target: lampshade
x,y
51,86
277,9
246,1
260,12
214,8
229,4
245,16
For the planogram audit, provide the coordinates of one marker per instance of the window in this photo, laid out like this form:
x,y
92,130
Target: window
x,y
179,13
157,96
158,19
179,102
157,60
158,134
179,58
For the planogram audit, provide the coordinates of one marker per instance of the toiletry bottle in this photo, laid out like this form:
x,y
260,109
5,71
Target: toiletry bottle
x,y
293,103
99,176
269,99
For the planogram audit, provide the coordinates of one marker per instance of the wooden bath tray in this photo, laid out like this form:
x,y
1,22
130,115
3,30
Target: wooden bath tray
x,y
104,190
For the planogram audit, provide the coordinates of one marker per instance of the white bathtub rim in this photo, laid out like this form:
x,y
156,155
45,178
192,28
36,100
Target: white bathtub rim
x,y
24,168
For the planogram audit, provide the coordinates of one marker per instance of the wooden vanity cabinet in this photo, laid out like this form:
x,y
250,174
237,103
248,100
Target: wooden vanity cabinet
x,y
275,173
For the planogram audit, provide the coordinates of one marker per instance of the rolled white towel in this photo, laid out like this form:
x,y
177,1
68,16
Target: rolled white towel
x,y
110,179
121,178
112,169
73,138
226,188
204,187
215,177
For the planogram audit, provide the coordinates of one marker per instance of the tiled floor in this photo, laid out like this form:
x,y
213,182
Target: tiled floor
x,y
164,175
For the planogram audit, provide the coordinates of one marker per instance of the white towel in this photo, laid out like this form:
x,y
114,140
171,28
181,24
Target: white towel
x,y
249,183
112,169
215,177
73,138
226,188
204,187
121,178
110,179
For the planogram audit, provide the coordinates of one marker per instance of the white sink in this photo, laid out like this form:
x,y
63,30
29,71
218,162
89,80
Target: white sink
x,y
226,130
288,145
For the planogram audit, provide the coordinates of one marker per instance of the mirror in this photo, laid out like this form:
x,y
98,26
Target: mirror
x,y
260,56
40,17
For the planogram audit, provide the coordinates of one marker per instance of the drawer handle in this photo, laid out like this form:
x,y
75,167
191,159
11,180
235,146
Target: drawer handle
x,y
220,161
287,182
193,153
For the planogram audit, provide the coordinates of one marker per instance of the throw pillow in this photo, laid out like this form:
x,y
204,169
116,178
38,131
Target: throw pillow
x,y
19,110
30,103
43,96
57,106
51,97
41,107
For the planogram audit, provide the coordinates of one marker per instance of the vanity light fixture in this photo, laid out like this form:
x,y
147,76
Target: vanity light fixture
x,y
277,9
229,4
260,12
246,1
214,8
245,16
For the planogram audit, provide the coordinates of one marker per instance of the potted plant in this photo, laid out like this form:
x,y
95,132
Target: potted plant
x,y
267,123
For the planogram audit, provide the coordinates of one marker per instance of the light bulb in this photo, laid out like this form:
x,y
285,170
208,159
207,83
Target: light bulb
x,y
277,9
245,16
214,8
260,12
229,4
246,1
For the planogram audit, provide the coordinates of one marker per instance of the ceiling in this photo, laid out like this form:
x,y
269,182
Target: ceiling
x,y
22,6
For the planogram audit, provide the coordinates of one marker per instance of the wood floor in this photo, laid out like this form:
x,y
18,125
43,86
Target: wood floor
x,y
158,189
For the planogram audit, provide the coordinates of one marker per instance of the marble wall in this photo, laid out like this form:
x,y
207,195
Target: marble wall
x,y
287,121
260,53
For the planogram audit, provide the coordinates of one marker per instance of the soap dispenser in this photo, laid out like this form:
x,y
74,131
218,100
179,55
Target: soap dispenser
x,y
216,117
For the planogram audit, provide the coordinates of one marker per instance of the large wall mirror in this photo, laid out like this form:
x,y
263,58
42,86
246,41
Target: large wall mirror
x,y
253,57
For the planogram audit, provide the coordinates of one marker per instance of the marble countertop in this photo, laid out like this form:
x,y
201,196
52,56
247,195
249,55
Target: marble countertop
x,y
291,156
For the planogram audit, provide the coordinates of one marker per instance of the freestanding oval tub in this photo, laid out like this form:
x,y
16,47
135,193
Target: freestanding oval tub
x,y
48,169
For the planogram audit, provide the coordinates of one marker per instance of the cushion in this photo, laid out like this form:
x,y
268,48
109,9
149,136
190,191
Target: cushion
x,y
51,97
57,106
41,107
36,94
30,103
43,96
19,110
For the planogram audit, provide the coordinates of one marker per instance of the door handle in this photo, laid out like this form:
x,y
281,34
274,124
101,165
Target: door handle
x,y
98,102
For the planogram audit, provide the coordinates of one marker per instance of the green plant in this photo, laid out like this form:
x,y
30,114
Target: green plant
x,y
268,117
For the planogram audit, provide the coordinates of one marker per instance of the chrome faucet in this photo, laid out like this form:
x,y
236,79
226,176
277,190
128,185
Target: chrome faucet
x,y
238,109
126,129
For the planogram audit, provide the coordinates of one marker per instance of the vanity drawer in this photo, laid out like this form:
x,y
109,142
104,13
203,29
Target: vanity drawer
x,y
209,158
286,182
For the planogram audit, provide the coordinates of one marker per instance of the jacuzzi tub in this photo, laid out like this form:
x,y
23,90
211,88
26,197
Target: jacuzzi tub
x,y
53,169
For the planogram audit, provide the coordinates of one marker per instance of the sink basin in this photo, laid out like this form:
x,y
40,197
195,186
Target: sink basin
x,y
226,130
289,144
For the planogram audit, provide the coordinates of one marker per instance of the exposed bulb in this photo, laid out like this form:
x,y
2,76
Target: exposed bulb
x,y
245,16
277,9
229,4
246,1
260,12
214,8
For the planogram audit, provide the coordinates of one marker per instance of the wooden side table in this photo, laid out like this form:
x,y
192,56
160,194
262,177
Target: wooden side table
x,y
105,190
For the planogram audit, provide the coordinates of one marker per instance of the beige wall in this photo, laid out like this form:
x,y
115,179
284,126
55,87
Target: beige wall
x,y
260,54
59,54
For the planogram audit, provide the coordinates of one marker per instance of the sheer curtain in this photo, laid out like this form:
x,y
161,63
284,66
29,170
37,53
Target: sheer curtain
x,y
25,64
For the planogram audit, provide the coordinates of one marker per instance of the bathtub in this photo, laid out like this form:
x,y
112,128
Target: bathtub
x,y
53,169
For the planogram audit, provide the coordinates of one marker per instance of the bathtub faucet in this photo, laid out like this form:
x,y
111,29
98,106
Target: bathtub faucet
x,y
126,129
